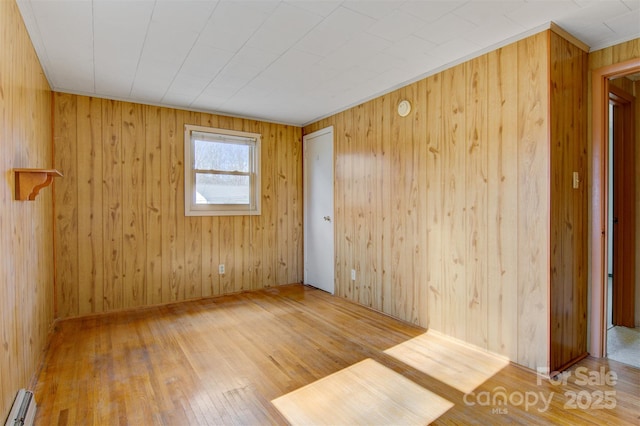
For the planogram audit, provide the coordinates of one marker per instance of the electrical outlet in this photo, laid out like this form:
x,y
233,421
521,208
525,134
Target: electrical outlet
x,y
353,275
221,269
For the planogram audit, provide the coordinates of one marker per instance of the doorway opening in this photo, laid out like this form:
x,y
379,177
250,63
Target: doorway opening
x,y
622,336
612,256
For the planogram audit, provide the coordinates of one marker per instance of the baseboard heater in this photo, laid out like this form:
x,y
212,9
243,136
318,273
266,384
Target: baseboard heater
x,y
23,411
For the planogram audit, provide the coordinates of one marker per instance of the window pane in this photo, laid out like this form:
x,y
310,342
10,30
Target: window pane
x,y
222,172
228,157
222,189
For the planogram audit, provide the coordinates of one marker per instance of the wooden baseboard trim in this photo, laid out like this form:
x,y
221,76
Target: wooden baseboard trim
x,y
157,305
469,345
569,364
43,354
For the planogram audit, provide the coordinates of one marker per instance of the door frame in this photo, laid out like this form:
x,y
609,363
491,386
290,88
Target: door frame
x,y
599,197
321,132
623,303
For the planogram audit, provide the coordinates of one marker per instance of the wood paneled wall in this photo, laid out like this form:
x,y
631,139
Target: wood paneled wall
x,y
615,54
636,93
568,205
445,214
623,83
26,227
122,239
601,58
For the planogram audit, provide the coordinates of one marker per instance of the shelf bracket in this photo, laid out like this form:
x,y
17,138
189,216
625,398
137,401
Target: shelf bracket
x,y
30,181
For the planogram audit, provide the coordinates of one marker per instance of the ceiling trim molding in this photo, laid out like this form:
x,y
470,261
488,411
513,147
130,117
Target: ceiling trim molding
x,y
159,105
613,43
568,36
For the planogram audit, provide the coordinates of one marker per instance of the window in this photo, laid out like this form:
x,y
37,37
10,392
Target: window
x,y
222,172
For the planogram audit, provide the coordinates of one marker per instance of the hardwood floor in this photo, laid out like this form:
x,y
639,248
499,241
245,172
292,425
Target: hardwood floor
x,y
223,360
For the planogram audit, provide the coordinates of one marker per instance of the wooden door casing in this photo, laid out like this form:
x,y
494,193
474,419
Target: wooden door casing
x,y
623,207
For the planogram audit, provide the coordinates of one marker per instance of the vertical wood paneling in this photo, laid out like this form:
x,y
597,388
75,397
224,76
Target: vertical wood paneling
x,y
502,213
133,205
90,226
464,200
345,216
370,232
338,208
175,137
568,309
284,231
225,242
294,139
623,83
66,242
364,252
637,183
406,204
269,206
580,200
241,237
26,231
407,293
420,289
558,218
172,241
10,379
434,196
454,229
112,204
240,244
533,201
402,221
358,205
387,110
376,215
256,239
576,73
624,51
193,238
211,240
128,210
476,73
397,176
210,257
153,206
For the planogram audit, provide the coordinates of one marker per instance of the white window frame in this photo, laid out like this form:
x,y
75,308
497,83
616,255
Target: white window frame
x,y
191,208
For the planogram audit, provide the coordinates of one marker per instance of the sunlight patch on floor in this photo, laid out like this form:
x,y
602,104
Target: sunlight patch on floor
x,y
364,393
459,366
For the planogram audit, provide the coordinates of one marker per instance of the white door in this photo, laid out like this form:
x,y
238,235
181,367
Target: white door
x,y
318,210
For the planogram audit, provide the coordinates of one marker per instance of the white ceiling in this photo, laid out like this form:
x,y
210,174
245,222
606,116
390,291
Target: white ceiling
x,y
287,61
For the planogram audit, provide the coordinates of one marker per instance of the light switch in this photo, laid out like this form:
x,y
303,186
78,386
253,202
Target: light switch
x,y
576,180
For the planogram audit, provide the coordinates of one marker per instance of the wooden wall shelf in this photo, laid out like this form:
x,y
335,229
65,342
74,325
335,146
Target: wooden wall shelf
x,y
30,181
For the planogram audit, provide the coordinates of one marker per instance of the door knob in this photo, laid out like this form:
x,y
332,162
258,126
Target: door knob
x,y
327,218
